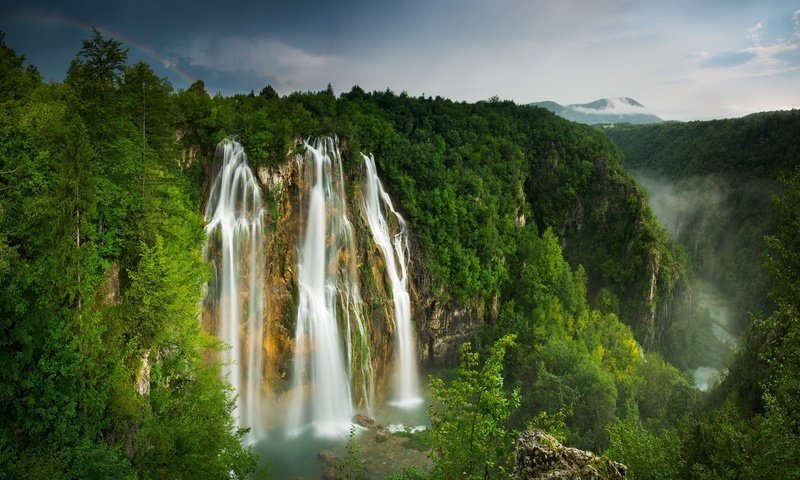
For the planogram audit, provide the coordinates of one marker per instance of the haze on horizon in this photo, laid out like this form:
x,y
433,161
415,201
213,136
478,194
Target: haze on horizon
x,y
683,59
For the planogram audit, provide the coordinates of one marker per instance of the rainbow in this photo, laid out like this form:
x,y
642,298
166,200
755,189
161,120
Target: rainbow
x,y
128,41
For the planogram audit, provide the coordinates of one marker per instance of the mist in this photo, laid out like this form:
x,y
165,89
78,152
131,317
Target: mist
x,y
687,208
700,213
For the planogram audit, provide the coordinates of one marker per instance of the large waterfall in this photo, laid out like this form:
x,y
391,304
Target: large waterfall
x,y
329,297
234,214
316,379
379,209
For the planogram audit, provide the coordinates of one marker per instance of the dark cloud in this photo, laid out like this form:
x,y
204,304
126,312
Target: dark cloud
x,y
525,50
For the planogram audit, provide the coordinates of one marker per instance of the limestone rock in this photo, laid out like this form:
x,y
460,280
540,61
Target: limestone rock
x,y
542,457
143,375
109,291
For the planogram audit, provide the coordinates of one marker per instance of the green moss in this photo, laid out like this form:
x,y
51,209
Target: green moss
x,y
416,441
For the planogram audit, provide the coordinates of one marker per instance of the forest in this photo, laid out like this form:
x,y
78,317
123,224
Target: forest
x,y
532,224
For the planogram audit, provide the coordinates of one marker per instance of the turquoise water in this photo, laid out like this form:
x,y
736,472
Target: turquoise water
x,y
297,457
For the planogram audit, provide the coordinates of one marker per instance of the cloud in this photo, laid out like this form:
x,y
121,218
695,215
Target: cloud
x,y
260,56
689,205
619,106
774,54
754,33
764,58
728,59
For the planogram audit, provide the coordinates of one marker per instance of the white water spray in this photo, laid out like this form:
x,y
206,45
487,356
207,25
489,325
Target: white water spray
x,y
379,208
234,214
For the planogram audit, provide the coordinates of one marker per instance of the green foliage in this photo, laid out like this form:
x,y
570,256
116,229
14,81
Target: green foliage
x,y
648,456
576,367
100,274
469,432
665,395
410,473
728,168
751,430
554,424
149,104
352,466
17,80
782,328
100,61
516,215
474,180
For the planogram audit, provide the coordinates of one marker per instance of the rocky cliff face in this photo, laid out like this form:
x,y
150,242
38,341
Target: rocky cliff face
x,y
441,327
542,457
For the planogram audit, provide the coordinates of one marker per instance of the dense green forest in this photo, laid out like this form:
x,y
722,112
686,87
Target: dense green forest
x,y
529,221
101,271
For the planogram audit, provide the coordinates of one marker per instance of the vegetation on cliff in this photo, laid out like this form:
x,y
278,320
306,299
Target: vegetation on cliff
x,y
748,426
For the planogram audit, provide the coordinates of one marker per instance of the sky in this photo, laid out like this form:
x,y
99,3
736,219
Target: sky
x,y
683,59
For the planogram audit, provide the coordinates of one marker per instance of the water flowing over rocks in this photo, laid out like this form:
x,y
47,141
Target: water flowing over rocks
x,y
338,288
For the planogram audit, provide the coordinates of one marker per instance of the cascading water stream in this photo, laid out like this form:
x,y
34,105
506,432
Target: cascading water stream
x,y
329,298
234,213
378,206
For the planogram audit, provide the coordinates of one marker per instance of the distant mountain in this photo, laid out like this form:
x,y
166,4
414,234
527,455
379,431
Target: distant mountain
x,y
606,110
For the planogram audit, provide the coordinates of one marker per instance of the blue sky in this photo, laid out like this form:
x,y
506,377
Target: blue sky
x,y
683,59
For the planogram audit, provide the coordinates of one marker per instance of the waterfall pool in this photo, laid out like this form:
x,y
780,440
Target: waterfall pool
x,y
384,447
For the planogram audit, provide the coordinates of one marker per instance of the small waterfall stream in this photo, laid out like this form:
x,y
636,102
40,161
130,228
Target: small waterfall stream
x,y
379,209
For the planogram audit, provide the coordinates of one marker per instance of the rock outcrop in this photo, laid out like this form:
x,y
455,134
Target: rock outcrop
x,y
541,457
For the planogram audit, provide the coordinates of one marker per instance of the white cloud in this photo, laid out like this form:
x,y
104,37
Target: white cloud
x,y
531,50
618,106
768,56
763,59
754,33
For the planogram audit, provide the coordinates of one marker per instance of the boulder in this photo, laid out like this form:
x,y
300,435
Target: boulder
x,y
363,420
541,457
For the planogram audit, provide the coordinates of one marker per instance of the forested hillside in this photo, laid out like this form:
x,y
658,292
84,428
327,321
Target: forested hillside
x,y
721,176
730,188
526,223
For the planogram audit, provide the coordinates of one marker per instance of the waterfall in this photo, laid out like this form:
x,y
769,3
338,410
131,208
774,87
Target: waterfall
x,y
331,370
234,214
378,206
329,298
